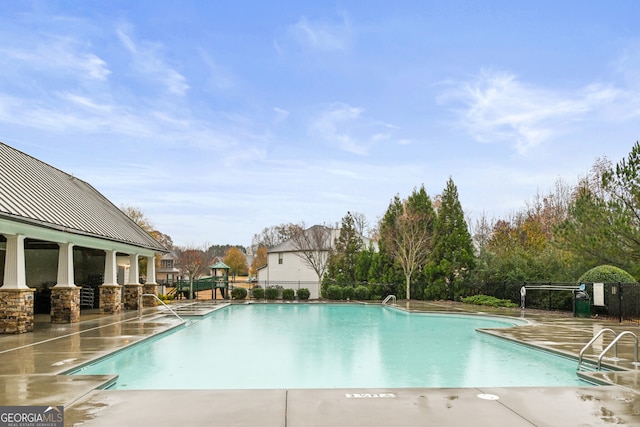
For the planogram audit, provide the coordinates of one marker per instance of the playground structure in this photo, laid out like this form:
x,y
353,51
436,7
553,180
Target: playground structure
x,y
219,279
212,283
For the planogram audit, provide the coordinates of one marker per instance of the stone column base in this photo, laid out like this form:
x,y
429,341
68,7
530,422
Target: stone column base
x,y
110,299
65,304
150,288
132,296
16,311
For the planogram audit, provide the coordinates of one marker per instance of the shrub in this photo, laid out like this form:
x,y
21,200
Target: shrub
x,y
348,292
488,300
362,293
288,294
238,293
272,293
257,293
334,292
606,274
303,294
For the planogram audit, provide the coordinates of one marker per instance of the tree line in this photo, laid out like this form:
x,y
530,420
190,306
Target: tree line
x,y
425,248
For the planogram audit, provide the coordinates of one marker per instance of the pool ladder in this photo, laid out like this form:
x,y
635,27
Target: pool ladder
x,y
613,344
389,298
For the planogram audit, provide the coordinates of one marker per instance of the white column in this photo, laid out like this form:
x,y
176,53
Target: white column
x,y
134,276
151,270
65,266
110,268
14,269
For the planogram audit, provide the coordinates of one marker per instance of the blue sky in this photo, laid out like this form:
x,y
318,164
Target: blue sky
x,y
218,119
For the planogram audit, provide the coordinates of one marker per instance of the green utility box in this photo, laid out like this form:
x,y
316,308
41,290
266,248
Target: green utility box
x,y
582,305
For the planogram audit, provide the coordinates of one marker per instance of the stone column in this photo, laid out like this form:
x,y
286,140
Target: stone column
x,y
133,288
65,295
151,287
16,299
65,304
16,311
110,290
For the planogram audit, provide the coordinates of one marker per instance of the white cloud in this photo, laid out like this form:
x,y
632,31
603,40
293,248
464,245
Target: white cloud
x,y
281,115
332,125
219,77
351,130
498,107
58,54
323,36
147,60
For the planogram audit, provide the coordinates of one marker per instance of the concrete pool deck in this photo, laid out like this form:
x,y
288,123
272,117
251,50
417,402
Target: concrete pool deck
x,y
32,367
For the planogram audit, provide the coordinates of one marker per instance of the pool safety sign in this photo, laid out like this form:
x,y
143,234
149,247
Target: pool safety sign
x,y
598,294
31,416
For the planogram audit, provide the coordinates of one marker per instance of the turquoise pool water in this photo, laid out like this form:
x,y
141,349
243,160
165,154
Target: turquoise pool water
x,y
278,346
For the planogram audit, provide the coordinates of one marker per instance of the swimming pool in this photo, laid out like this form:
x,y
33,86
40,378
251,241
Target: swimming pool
x,y
263,346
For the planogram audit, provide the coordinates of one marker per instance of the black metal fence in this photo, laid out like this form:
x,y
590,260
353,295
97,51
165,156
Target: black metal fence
x,y
620,301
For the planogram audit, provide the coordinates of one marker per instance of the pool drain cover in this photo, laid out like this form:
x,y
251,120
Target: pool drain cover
x,y
488,396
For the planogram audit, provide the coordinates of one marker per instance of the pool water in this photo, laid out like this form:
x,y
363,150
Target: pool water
x,y
261,346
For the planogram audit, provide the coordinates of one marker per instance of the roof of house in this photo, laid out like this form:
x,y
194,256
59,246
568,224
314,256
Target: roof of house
x,y
36,193
291,246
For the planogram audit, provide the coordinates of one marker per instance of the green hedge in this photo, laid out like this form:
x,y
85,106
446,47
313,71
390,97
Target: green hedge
x,y
488,300
362,293
348,292
257,293
288,294
272,293
303,294
238,293
334,292
606,274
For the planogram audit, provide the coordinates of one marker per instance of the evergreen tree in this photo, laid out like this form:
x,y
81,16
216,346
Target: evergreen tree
x,y
341,266
452,258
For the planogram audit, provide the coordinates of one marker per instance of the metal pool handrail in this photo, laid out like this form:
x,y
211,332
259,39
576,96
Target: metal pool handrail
x,y
598,335
389,297
162,302
614,344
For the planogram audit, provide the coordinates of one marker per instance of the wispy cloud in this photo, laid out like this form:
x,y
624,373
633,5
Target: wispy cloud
x,y
324,36
148,61
219,77
496,106
350,129
57,53
281,115
334,126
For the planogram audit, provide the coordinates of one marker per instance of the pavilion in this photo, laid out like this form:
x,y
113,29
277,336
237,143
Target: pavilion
x,y
64,246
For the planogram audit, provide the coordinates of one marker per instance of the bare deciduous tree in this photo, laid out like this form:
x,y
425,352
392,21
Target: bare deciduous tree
x,y
274,235
361,223
410,242
312,246
192,262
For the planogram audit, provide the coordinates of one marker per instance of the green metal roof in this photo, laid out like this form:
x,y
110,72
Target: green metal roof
x,y
220,266
36,193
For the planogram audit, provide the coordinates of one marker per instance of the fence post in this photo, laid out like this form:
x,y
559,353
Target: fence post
x,y
620,302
